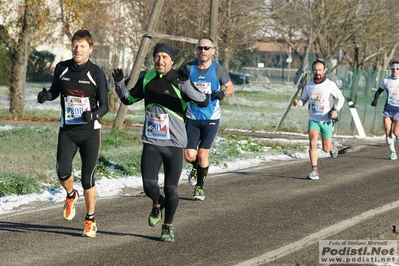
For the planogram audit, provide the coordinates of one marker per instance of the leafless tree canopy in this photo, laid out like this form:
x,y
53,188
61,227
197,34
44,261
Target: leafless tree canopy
x,y
364,31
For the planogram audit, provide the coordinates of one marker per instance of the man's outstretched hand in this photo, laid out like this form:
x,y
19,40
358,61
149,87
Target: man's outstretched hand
x,y
42,96
117,74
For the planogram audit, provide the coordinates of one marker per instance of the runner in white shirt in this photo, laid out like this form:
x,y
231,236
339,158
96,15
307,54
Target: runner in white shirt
x,y
321,93
391,108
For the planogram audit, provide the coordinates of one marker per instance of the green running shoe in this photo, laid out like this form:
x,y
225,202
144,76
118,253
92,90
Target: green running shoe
x,y
167,233
156,213
198,194
192,177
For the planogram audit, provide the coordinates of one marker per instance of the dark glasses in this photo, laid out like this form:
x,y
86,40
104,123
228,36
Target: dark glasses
x,y
206,48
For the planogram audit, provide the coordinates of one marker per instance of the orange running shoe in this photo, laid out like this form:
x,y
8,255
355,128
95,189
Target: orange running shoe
x,y
90,228
69,207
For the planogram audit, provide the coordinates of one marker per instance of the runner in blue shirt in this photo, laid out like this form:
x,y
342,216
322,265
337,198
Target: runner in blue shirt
x,y
202,124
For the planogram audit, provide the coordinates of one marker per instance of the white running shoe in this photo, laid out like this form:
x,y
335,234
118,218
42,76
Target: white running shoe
x,y
314,175
334,151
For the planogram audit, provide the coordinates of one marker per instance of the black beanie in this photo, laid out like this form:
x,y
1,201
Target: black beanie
x,y
166,48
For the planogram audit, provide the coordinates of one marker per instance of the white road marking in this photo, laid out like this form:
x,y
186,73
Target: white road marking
x,y
314,238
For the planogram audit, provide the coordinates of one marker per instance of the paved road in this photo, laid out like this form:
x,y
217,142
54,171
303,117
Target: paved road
x,y
255,216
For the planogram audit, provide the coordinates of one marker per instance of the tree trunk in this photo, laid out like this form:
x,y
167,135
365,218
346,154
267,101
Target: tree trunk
x,y
18,56
17,83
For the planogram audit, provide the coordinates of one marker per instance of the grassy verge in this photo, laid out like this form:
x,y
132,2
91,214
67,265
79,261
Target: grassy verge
x,y
27,160
28,153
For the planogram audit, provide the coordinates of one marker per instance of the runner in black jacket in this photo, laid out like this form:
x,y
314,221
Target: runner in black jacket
x,y
165,93
83,92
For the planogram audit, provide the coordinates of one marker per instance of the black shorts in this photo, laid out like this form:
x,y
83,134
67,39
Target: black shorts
x,y
201,133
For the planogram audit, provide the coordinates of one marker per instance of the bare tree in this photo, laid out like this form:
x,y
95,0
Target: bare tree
x,y
16,32
27,23
376,45
238,22
360,29
124,29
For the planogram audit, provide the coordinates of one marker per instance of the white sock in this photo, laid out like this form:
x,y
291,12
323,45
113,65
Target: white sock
x,y
390,143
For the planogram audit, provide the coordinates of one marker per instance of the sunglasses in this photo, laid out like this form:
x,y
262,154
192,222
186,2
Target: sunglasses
x,y
206,48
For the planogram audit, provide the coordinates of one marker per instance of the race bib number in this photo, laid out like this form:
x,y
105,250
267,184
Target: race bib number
x,y
74,108
157,126
204,87
393,99
317,107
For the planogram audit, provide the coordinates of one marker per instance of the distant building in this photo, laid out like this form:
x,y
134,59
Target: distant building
x,y
275,54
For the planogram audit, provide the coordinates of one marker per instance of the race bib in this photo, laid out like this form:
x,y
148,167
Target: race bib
x,y
393,99
157,126
204,87
317,107
74,108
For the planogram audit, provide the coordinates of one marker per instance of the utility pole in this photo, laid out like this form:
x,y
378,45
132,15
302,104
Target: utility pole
x,y
146,40
213,31
134,75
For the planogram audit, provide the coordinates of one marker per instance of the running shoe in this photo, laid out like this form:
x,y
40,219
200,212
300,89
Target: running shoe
x,y
314,175
69,207
393,156
167,233
90,228
156,213
198,194
334,151
192,177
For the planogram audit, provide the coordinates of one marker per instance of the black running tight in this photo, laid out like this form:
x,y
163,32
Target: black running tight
x,y
151,161
88,142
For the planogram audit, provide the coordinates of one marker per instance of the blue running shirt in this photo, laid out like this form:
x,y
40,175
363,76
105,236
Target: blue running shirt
x,y
206,83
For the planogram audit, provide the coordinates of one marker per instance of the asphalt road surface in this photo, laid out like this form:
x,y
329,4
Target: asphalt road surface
x,y
266,215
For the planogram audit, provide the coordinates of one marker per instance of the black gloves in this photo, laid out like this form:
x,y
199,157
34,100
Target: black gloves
x,y
117,75
183,75
335,120
42,96
219,94
374,103
89,116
